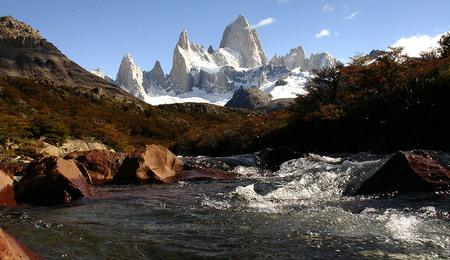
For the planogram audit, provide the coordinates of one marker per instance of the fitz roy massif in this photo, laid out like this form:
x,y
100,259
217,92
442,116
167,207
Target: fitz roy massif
x,y
212,76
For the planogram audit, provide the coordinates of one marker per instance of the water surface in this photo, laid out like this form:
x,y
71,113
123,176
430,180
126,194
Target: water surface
x,y
298,212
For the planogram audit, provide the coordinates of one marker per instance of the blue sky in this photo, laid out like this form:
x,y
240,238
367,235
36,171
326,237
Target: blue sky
x,y
99,33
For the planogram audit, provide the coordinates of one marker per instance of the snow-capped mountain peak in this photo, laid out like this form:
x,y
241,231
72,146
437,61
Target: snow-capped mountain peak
x,y
203,75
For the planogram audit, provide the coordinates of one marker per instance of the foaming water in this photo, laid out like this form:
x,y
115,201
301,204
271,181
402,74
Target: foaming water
x,y
298,212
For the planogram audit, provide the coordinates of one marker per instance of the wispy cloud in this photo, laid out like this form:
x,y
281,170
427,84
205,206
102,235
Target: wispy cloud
x,y
323,33
282,2
327,8
263,23
353,15
346,6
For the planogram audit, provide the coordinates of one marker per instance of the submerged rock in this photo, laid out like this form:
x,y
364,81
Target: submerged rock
x,y
11,248
152,163
50,181
196,172
273,158
98,166
405,172
6,190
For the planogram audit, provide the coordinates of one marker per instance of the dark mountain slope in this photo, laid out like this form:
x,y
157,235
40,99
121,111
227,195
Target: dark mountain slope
x,y
25,53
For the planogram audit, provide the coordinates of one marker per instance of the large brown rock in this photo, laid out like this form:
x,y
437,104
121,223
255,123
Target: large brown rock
x,y
98,166
414,171
11,248
6,190
50,181
150,164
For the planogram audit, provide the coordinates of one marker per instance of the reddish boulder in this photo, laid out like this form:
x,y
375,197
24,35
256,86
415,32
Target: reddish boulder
x,y
50,181
98,166
428,167
6,190
11,248
406,172
152,163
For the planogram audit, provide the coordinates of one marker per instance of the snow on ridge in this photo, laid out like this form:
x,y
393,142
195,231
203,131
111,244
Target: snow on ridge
x,y
196,96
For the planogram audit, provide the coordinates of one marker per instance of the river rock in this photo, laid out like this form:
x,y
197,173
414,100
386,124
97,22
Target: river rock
x,y
273,158
199,173
68,147
98,166
50,181
414,171
13,169
11,248
6,190
152,163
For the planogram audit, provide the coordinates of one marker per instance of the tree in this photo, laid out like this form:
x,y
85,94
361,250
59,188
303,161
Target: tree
x,y
444,42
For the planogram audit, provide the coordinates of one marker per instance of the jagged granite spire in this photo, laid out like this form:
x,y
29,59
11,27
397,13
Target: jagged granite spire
x,y
181,65
239,37
129,77
183,42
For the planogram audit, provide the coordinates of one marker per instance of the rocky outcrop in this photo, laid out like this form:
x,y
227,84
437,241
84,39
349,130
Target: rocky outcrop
x,y
250,98
20,35
255,99
154,163
98,166
413,171
6,190
11,248
238,36
68,147
50,181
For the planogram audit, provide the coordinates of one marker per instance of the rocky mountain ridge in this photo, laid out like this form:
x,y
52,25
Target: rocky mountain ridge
x,y
25,53
239,61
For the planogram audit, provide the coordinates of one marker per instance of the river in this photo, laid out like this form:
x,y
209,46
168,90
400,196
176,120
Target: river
x,y
298,212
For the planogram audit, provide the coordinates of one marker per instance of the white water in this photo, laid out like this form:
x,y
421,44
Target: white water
x,y
298,212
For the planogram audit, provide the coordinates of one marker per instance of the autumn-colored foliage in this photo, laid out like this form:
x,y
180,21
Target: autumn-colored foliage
x,y
385,104
392,102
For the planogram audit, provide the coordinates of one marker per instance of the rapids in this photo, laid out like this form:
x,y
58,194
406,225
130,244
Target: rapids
x,y
298,212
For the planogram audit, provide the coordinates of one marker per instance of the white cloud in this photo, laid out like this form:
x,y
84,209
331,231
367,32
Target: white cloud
x,y
353,15
263,23
416,44
323,33
328,8
282,2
